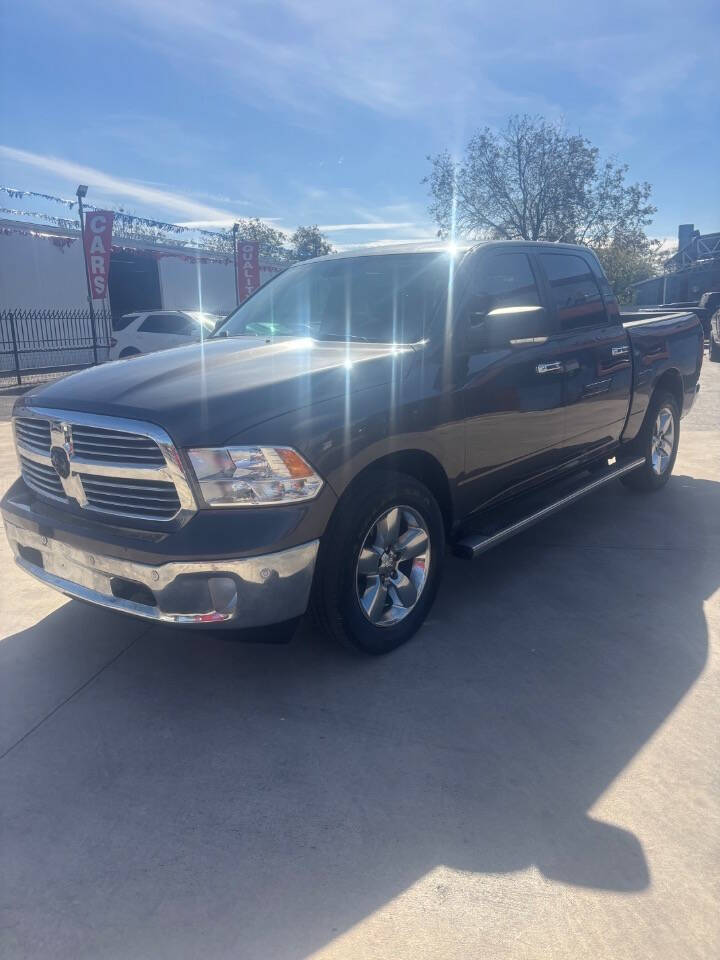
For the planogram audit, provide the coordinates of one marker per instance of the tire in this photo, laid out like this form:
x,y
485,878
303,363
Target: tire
x,y
714,351
659,461
370,612
128,352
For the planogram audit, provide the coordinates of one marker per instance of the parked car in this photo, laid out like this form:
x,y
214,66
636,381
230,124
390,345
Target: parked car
x,y
417,398
151,330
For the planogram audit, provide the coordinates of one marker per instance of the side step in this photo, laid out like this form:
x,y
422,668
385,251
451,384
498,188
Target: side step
x,y
472,546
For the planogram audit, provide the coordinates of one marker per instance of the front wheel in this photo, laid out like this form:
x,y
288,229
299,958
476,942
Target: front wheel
x,y
658,441
380,563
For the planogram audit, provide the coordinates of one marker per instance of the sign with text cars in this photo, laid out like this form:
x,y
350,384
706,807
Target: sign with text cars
x,y
98,241
248,268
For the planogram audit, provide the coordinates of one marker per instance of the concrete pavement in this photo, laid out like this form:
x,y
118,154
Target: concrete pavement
x,y
536,775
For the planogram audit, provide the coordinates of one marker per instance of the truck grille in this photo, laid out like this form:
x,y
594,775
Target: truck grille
x,y
94,443
156,499
33,433
130,472
41,478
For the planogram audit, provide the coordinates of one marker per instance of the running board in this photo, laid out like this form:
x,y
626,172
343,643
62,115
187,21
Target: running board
x,y
472,546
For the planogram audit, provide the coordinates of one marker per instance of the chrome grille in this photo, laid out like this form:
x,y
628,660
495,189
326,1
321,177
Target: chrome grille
x,y
119,467
33,433
152,499
41,478
95,443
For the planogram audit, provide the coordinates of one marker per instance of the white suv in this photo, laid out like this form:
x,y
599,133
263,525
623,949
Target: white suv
x,y
152,330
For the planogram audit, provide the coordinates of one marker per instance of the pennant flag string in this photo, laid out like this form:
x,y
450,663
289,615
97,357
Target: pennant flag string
x,y
129,226
18,194
56,241
56,221
127,218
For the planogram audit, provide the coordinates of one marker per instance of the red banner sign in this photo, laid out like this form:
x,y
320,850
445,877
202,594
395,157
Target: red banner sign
x,y
248,268
98,241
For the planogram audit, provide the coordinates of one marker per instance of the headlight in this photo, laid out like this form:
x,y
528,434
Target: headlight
x,y
253,476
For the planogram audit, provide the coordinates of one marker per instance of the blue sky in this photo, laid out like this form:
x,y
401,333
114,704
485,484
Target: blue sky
x,y
310,111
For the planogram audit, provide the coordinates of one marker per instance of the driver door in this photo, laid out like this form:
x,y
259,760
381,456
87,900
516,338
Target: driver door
x,y
512,378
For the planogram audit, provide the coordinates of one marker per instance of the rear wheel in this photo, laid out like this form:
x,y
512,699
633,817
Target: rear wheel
x,y
380,563
658,442
129,352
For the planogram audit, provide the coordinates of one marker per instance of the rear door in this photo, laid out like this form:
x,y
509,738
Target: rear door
x,y
594,348
513,389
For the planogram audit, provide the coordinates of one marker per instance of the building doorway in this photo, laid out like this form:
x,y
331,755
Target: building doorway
x,y
133,283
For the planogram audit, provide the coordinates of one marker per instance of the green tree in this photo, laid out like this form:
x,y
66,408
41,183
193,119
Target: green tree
x,y
309,242
534,181
272,242
629,258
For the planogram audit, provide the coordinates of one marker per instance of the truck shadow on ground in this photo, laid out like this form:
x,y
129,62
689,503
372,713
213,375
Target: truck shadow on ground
x,y
217,797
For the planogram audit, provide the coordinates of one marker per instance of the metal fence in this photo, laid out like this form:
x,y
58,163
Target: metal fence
x,y
38,344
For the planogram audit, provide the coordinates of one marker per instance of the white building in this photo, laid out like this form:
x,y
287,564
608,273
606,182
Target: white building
x,y
41,267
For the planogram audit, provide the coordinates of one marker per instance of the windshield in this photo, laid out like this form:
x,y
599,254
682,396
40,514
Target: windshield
x,y
386,298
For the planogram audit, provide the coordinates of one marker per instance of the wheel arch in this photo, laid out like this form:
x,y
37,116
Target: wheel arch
x,y
670,381
421,465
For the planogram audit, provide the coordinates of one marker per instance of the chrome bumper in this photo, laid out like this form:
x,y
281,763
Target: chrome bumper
x,y
249,592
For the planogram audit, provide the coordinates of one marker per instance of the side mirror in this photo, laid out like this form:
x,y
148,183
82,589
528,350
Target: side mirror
x,y
514,324
500,328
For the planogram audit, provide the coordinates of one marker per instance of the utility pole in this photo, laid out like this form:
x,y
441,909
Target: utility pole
x,y
80,193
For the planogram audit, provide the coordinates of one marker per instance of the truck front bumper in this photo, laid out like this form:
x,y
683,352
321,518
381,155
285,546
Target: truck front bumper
x,y
247,592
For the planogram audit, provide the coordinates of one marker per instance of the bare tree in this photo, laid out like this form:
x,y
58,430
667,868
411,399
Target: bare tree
x,y
534,181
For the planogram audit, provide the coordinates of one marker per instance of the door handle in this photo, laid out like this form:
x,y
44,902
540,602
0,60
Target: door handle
x,y
620,351
555,366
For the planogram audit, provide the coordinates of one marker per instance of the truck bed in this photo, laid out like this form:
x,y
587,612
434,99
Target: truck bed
x,y
663,345
663,310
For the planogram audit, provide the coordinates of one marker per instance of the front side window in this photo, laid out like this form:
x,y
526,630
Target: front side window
x,y
384,298
507,280
575,292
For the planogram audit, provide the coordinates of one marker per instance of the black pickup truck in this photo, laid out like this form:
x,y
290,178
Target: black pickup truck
x,y
353,417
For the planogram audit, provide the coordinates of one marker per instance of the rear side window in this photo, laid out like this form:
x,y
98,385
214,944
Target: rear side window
x,y
508,280
119,323
574,291
174,323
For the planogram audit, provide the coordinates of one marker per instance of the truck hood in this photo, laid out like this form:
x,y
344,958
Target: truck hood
x,y
208,393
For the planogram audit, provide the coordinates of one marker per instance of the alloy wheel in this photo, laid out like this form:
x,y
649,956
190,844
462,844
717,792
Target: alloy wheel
x,y
663,440
392,566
